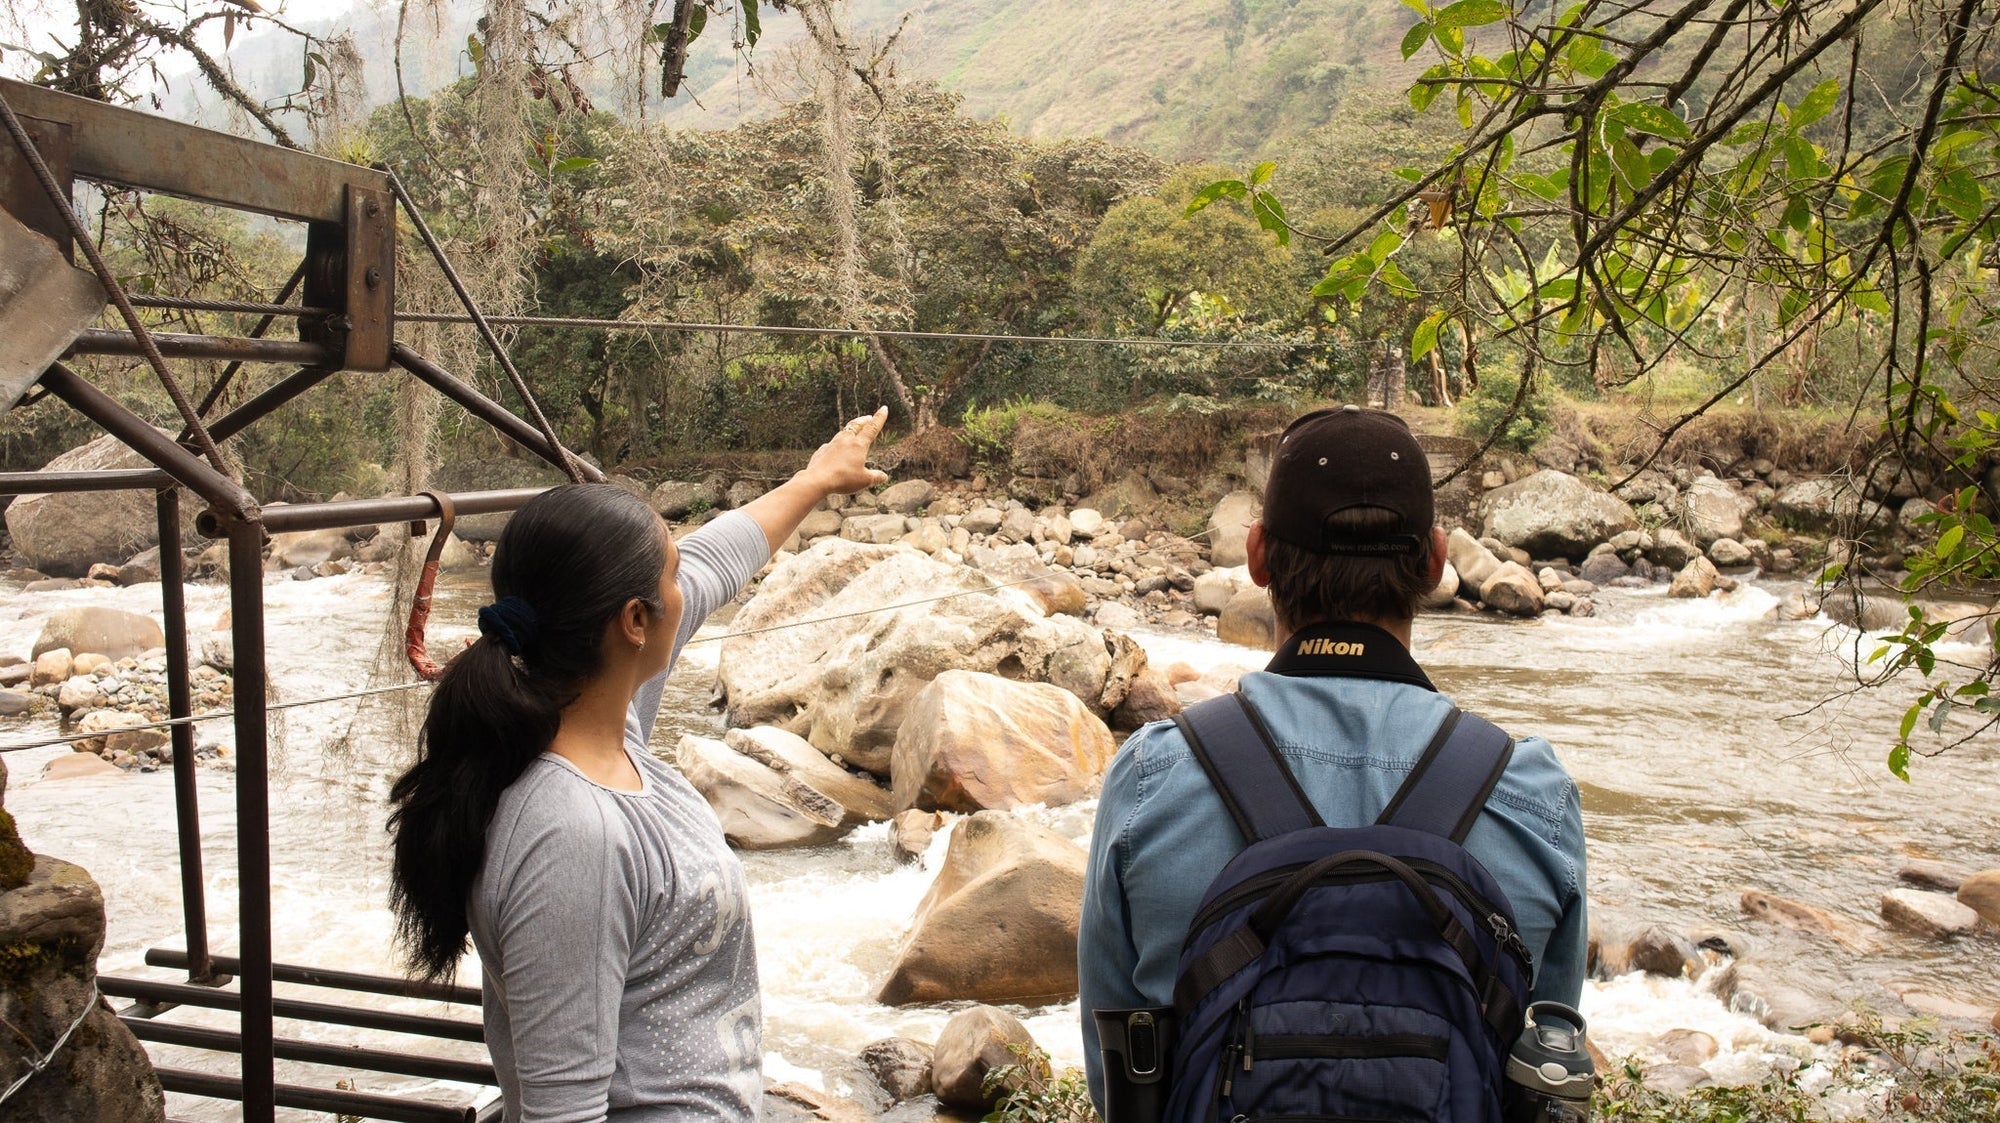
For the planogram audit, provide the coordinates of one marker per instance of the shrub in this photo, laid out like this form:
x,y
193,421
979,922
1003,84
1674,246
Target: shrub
x,y
1035,1092
1484,410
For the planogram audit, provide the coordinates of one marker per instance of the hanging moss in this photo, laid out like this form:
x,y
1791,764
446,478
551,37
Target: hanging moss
x,y
15,861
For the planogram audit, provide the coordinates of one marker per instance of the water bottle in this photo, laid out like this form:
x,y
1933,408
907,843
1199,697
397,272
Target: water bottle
x,y
1549,1074
1135,1045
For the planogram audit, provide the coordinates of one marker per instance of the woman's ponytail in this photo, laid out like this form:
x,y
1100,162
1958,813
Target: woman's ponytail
x,y
566,563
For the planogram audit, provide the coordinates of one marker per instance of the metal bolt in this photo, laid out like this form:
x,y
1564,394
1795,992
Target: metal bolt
x,y
373,277
371,207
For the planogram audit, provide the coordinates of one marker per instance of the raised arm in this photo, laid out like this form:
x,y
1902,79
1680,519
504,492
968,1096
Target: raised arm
x,y
839,467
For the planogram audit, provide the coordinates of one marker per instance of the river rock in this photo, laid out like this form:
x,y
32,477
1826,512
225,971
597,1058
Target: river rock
x,y
973,1043
1728,553
1229,527
901,1066
1931,915
309,548
1936,876
906,498
14,703
910,833
759,809
1689,1047
1473,561
1671,549
1086,523
743,492
975,741
51,666
862,800
1213,590
675,499
102,723
874,529
1444,592
78,693
1657,951
999,923
1710,509
1151,698
1855,609
1017,525
1248,621
1112,614
141,567
64,534
78,766
88,663
1132,495
1826,506
52,929
1981,894
1794,914
847,683
1512,589
1553,514
820,523
1676,1079
982,520
109,632
792,1102
1695,580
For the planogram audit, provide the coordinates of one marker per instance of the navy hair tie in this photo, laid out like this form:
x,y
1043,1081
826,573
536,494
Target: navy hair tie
x,y
510,620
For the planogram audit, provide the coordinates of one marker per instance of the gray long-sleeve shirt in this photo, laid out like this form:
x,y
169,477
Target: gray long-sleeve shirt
x,y
613,930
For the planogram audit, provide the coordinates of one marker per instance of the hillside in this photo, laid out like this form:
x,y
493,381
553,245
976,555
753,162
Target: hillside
x,y
1207,80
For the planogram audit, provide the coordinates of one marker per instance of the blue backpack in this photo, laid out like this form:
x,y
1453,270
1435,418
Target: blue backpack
x,y
1347,975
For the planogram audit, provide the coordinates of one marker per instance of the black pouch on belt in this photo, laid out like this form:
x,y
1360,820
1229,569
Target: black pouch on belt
x,y
1135,1045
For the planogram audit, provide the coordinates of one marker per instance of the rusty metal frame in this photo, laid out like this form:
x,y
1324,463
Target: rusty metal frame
x,y
349,271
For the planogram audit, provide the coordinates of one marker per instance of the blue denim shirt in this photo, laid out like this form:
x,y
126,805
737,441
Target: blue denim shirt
x,y
1162,833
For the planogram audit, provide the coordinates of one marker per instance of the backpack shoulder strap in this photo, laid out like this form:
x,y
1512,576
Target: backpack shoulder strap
x,y
1446,791
1232,745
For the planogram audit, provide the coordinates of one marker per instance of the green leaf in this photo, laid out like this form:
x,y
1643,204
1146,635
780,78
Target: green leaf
x,y
1353,267
1261,174
1940,715
1959,190
1449,39
753,25
1425,339
1231,188
575,163
1540,186
1899,762
697,19
1587,57
1271,216
476,49
1816,103
1472,13
1423,92
1385,243
1421,7
1947,543
1802,159
1415,38
1643,118
1909,725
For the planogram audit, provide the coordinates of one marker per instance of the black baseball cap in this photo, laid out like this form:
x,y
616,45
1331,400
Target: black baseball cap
x,y
1334,460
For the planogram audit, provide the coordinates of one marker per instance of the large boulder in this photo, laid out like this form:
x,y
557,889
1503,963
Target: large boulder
x,y
846,681
971,1045
1229,527
1214,589
900,1065
874,529
1931,915
309,547
1512,589
52,928
1981,894
1710,509
906,498
1827,506
861,799
677,499
1131,496
1473,562
109,632
1551,514
999,923
1696,579
65,533
1248,620
759,808
976,741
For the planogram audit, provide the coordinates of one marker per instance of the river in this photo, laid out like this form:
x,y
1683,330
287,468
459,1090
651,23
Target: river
x,y
1710,757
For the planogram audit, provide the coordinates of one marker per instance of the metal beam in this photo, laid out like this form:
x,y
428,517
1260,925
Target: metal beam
x,y
362,1104
128,148
314,1052
409,508
337,980
485,409
222,493
208,998
103,341
268,402
109,479
180,704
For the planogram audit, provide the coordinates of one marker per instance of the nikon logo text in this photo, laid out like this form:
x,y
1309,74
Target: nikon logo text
x,y
1330,647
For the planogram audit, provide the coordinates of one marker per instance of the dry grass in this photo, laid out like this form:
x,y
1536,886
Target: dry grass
x,y
1720,439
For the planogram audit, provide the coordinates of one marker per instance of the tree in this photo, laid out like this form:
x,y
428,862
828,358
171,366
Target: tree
x,y
1622,174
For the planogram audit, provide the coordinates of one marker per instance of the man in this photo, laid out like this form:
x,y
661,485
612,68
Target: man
x,y
1347,546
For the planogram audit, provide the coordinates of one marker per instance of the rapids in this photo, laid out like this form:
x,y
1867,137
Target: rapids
x,y
1715,748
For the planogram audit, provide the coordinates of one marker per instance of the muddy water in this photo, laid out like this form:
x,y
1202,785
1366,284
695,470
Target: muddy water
x,y
1679,720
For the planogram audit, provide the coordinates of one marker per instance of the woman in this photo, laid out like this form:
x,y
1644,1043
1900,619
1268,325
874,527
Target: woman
x,y
614,940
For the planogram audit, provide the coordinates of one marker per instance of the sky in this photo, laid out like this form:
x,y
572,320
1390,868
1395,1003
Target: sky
x,y
41,25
